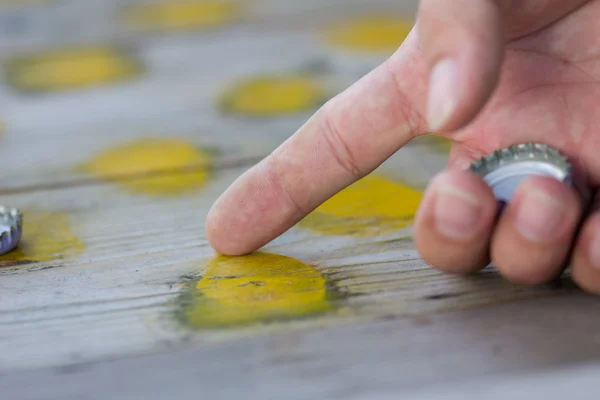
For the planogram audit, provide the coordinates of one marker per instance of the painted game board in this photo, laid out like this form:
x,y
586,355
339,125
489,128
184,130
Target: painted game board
x,y
122,121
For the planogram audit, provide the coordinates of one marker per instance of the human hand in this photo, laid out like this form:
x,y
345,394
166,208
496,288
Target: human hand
x,y
486,74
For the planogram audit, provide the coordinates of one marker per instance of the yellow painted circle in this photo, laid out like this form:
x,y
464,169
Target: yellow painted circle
x,y
46,236
370,34
276,95
175,15
256,288
375,205
74,68
153,166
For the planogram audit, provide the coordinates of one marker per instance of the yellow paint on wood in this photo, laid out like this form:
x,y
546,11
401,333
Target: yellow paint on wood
x,y
442,143
72,68
46,236
175,15
375,205
258,287
434,142
274,95
153,166
370,33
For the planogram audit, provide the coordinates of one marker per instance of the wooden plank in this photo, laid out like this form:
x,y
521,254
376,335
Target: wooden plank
x,y
115,279
44,23
178,94
111,270
63,157
527,349
183,73
176,77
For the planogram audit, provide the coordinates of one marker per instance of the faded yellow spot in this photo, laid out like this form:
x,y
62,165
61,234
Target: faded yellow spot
x,y
174,15
156,166
258,287
435,142
46,236
370,33
373,206
73,68
442,143
265,96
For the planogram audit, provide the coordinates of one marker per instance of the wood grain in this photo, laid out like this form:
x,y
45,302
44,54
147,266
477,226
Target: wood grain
x,y
45,23
122,293
178,93
115,291
529,349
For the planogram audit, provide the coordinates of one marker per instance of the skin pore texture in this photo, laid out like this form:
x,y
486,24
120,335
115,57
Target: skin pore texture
x,y
485,74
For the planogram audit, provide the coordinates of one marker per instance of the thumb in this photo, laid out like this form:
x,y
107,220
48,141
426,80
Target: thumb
x,y
463,44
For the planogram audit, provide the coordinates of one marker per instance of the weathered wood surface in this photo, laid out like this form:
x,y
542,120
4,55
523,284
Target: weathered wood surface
x,y
115,281
179,89
45,161
182,72
114,278
535,349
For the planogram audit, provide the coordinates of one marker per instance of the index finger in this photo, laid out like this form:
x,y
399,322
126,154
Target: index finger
x,y
345,140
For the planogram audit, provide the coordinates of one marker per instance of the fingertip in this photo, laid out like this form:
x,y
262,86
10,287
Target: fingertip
x,y
545,210
463,42
218,235
585,261
254,210
533,237
454,222
232,221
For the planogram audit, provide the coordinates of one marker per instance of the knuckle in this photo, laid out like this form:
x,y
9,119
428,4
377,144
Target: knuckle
x,y
405,107
339,149
277,179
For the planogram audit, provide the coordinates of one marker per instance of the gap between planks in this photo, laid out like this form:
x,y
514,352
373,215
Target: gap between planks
x,y
222,163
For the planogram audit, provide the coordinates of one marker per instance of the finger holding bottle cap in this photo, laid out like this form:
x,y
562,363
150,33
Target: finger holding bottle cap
x,y
530,190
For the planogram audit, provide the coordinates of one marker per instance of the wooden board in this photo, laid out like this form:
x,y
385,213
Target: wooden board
x,y
186,70
183,81
523,350
117,163
111,270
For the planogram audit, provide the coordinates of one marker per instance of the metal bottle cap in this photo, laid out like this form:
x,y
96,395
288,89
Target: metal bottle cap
x,y
11,228
504,169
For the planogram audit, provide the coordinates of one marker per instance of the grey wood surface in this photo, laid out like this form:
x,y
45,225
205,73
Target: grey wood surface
x,y
539,348
116,294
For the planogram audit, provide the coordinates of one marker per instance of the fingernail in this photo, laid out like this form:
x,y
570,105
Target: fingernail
x,y
539,215
443,89
456,212
594,250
